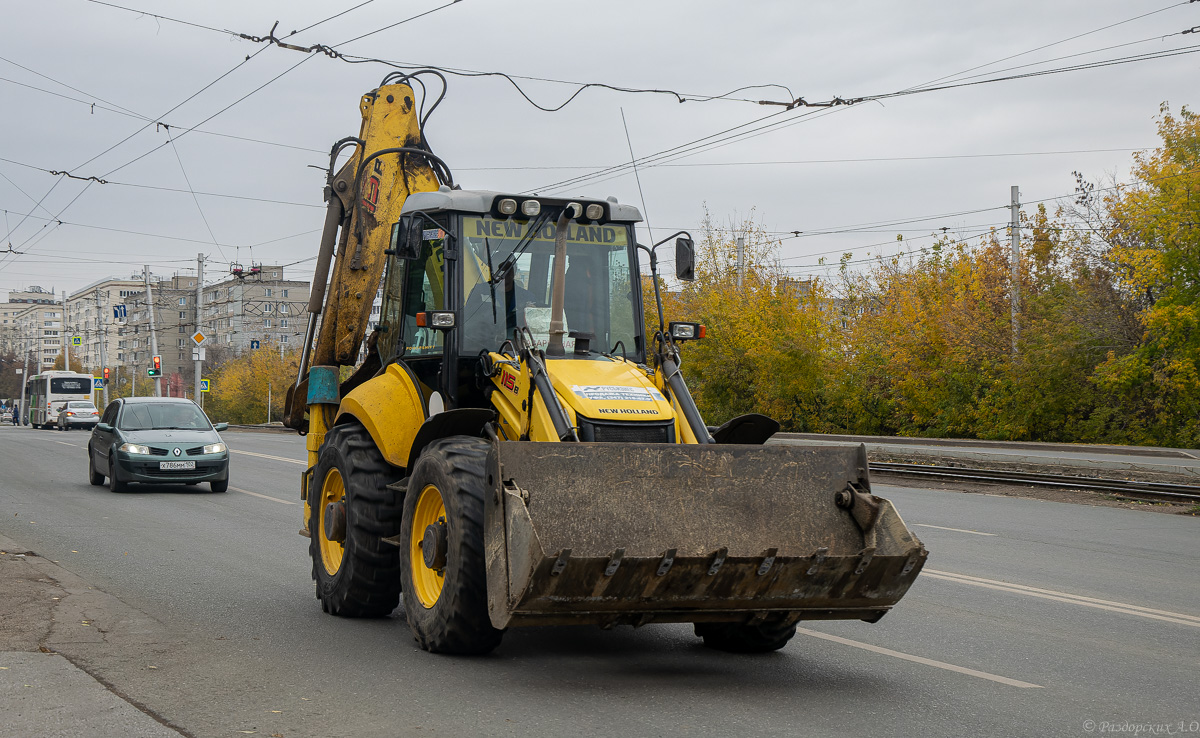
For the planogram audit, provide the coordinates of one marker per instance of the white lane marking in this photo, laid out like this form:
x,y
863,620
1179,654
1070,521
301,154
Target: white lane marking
x,y
956,530
921,660
68,444
268,456
265,497
1050,594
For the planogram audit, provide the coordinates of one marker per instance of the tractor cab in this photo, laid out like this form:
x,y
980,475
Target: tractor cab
x,y
471,273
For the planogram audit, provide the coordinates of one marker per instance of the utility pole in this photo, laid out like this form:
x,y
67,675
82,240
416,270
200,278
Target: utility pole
x,y
197,348
24,385
100,332
1015,260
66,336
153,333
741,260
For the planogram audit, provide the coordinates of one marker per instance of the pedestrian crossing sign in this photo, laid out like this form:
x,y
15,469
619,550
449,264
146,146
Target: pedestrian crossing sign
x,y
204,385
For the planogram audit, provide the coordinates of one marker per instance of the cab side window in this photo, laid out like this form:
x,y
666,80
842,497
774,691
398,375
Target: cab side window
x,y
423,291
110,413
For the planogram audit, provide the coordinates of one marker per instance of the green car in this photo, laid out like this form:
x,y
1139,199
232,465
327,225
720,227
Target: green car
x,y
157,440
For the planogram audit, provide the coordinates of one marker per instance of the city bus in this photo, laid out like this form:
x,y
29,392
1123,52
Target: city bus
x,y
46,391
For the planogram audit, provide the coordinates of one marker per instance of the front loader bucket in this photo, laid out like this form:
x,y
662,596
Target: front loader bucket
x,y
611,533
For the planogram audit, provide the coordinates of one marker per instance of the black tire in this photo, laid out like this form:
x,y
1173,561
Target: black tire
x,y
457,622
741,638
113,484
219,485
96,478
367,582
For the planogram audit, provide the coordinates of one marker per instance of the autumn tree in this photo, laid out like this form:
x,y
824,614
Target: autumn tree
x,y
240,386
1154,231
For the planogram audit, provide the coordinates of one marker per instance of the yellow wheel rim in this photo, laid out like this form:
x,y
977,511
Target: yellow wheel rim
x,y
427,583
333,490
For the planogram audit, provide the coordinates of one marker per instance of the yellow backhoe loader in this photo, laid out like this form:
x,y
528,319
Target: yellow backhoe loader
x,y
512,448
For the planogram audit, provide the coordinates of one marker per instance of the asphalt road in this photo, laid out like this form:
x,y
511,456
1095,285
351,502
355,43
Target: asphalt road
x,y
1031,618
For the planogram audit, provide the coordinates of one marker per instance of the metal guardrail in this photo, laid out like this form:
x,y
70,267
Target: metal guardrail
x,y
1141,490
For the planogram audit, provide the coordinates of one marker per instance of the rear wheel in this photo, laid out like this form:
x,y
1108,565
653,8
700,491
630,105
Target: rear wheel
x,y
741,638
357,573
442,559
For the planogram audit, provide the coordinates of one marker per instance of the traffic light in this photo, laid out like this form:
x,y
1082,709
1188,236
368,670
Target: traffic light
x,y
156,370
105,376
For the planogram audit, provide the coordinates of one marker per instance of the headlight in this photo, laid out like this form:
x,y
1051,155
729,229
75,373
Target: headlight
x,y
214,448
133,448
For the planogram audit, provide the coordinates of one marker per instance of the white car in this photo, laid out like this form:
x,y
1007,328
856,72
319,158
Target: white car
x,y
77,414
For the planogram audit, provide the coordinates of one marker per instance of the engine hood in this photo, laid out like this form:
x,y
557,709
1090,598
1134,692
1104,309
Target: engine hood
x,y
171,437
604,389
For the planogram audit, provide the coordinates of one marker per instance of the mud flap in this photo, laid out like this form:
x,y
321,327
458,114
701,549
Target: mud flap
x,y
611,533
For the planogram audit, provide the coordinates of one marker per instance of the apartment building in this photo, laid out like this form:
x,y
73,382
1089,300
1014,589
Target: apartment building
x,y
89,316
259,305
12,338
174,305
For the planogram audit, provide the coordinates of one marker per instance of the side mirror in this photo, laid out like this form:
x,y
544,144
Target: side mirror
x,y
104,427
220,427
685,259
406,238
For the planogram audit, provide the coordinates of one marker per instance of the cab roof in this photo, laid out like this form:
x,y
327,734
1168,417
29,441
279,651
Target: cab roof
x,y
480,201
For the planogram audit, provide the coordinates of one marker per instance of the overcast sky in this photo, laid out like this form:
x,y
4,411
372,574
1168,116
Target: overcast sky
x,y
141,67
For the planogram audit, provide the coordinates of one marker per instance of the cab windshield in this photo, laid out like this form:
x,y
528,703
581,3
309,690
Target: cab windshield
x,y
515,291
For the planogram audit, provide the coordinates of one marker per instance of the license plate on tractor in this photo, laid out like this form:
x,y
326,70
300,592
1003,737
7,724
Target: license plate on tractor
x,y
165,465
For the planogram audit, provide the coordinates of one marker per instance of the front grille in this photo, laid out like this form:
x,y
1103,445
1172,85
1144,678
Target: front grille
x,y
602,431
158,451
195,451
152,470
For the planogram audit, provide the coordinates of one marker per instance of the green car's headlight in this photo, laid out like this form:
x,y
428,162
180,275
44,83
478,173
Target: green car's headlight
x,y
133,448
214,448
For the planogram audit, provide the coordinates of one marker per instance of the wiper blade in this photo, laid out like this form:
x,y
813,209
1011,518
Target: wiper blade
x,y
520,247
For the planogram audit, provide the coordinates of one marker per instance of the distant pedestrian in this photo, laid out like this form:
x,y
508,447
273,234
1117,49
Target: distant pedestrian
x,y
16,413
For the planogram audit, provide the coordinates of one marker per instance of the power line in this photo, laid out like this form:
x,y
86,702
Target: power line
x,y
1047,46
729,135
195,199
164,17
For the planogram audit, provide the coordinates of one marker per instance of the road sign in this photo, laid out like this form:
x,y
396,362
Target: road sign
x,y
255,344
204,385
198,353
119,312
97,382
198,338
76,341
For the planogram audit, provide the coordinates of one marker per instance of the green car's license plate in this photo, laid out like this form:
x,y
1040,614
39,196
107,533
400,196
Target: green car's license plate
x,y
164,465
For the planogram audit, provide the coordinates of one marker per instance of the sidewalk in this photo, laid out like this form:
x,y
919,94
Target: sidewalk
x,y
43,608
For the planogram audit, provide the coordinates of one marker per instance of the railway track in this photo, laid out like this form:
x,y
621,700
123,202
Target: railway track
x,y
1136,490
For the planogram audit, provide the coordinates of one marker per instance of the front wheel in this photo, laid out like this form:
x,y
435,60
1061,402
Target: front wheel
x,y
113,484
94,477
353,510
740,638
219,485
441,557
